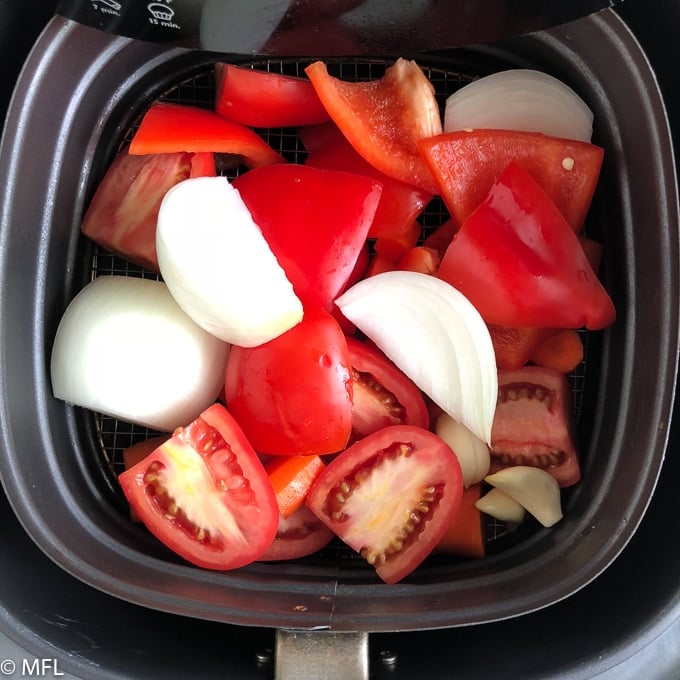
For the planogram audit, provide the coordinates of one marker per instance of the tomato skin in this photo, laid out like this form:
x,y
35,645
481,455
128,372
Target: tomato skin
x,y
264,99
466,164
122,214
299,535
400,203
315,221
398,401
169,128
534,423
293,395
389,143
215,480
390,496
520,264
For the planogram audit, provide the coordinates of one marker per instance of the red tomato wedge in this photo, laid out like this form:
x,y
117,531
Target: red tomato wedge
x,y
520,264
315,221
265,99
299,535
205,495
400,203
534,423
293,395
391,496
169,128
466,164
384,119
122,215
382,394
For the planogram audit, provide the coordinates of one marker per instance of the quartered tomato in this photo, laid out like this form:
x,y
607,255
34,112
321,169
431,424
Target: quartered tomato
x,y
293,395
391,496
534,423
265,99
315,221
299,535
382,394
122,214
466,164
384,119
520,264
205,495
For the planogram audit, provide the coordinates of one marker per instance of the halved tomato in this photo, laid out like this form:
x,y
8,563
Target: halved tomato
x,y
205,494
293,395
391,496
301,534
382,394
534,423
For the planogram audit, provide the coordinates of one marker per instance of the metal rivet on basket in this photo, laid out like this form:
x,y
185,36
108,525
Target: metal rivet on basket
x,y
388,658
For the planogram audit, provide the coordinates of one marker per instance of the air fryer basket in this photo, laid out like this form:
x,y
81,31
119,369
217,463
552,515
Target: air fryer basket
x,y
79,98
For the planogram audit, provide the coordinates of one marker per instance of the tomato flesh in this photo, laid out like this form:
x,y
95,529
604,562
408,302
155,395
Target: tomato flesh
x,y
382,394
390,497
205,494
534,425
299,535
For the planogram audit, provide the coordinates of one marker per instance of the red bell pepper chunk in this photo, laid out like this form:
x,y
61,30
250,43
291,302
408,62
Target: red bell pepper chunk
x,y
466,164
400,204
520,263
168,128
384,119
315,221
264,99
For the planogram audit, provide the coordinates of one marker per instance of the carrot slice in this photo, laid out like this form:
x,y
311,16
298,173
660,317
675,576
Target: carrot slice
x,y
291,478
465,535
514,346
394,248
420,259
562,351
380,264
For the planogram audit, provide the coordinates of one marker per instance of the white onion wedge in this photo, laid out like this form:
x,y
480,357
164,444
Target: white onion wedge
x,y
520,99
124,348
500,506
533,488
219,267
472,452
433,333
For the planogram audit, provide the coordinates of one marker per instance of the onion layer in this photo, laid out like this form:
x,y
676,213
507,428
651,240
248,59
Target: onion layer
x,y
124,348
219,267
433,333
520,99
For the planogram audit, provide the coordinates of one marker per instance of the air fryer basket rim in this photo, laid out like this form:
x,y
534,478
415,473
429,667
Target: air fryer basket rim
x,y
51,499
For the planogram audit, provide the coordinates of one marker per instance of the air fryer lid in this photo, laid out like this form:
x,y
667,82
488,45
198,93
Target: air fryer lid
x,y
95,86
325,27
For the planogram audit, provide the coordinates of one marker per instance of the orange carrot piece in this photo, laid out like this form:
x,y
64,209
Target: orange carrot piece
x,y
393,249
465,535
441,237
562,351
420,259
380,264
291,477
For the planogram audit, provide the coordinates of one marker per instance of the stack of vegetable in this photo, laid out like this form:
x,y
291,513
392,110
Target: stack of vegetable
x,y
319,369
